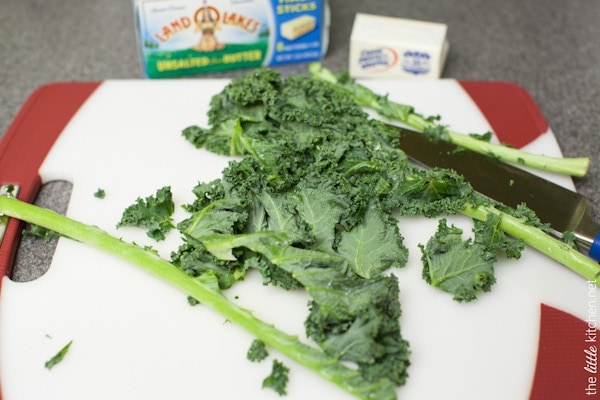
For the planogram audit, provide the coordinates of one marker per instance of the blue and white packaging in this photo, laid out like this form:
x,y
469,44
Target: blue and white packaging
x,y
187,37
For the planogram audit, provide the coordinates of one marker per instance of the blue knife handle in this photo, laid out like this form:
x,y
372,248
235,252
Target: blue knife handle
x,y
595,248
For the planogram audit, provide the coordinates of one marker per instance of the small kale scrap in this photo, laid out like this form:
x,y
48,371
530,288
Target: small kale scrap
x,y
58,357
100,193
257,351
153,213
39,232
278,378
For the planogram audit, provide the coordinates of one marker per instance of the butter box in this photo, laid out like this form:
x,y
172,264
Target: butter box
x,y
386,47
188,37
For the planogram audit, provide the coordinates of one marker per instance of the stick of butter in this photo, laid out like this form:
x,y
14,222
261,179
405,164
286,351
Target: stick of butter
x,y
386,47
299,26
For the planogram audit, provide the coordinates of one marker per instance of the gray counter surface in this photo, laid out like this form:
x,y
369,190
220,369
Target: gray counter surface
x,y
550,47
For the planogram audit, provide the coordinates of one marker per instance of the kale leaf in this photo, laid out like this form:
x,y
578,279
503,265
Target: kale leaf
x,y
153,213
39,232
461,267
257,351
278,378
373,246
58,357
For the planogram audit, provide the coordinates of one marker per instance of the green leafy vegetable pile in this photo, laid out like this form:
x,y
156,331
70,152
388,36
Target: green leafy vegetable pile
x,y
431,125
310,207
205,288
312,201
312,204
323,176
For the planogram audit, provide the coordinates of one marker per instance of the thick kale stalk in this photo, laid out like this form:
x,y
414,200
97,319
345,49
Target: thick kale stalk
x,y
205,289
406,114
465,267
533,236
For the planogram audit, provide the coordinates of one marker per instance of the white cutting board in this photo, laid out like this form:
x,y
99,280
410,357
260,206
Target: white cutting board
x,y
134,337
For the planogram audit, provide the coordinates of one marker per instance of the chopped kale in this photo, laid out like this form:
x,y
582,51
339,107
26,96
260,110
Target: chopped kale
x,y
58,357
153,213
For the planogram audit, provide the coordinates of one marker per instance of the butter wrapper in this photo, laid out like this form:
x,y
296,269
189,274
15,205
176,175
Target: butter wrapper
x,y
386,47
189,37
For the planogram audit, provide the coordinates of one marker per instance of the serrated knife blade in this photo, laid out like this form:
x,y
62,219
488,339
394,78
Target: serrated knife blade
x,y
563,209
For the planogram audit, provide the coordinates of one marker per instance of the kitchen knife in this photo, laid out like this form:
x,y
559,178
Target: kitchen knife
x,y
563,209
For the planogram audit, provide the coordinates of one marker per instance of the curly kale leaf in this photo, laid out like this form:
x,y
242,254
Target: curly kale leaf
x,y
271,273
278,378
463,268
495,240
431,193
37,231
373,246
251,95
221,216
257,351
153,213
195,260
436,131
357,320
224,139
321,208
238,114
100,193
281,217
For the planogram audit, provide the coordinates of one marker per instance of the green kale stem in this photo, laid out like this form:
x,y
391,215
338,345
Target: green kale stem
x,y
575,166
539,240
206,292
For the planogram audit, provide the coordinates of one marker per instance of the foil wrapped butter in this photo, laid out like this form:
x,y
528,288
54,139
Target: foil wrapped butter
x,y
189,37
387,47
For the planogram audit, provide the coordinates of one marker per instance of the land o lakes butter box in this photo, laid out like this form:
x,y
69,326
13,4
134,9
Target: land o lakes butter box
x,y
188,37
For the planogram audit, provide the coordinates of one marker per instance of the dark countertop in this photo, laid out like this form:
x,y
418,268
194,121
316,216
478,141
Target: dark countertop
x,y
550,47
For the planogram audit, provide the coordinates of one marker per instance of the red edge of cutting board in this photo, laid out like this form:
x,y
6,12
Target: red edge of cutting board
x,y
564,343
508,108
28,141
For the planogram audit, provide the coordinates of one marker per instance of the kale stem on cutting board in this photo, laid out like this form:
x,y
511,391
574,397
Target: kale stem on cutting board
x,y
312,205
204,288
575,166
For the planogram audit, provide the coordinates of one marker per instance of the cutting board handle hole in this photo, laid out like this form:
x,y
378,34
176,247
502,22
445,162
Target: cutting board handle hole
x,y
34,255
